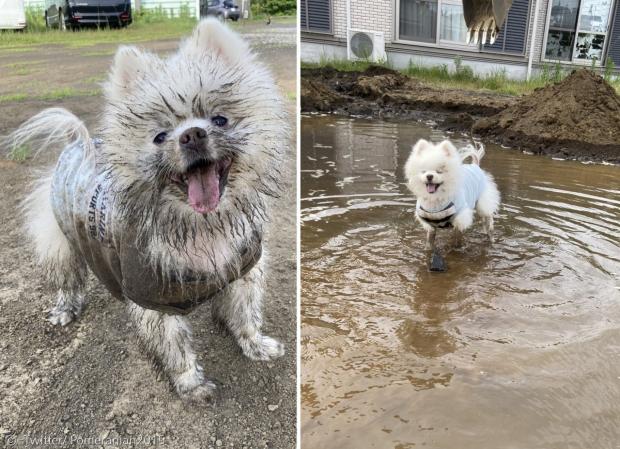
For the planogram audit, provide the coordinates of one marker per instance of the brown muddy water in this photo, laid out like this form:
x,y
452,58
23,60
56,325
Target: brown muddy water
x,y
517,345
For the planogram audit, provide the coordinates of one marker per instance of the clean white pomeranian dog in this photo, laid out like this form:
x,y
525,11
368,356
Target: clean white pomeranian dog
x,y
448,191
166,204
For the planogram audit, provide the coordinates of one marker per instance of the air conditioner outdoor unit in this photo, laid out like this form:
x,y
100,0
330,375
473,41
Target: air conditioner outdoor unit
x,y
366,45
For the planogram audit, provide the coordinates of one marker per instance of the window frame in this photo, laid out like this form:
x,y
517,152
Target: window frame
x,y
576,31
439,43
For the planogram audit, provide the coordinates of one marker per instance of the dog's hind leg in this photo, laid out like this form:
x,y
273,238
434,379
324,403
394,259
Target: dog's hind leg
x,y
239,307
461,222
487,206
61,263
168,339
487,224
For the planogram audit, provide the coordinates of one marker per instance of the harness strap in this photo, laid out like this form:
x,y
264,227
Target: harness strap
x,y
440,218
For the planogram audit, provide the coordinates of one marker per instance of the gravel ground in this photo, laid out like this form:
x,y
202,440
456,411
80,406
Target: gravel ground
x,y
89,384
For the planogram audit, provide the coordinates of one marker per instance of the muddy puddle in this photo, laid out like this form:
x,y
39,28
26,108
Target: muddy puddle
x,y
517,345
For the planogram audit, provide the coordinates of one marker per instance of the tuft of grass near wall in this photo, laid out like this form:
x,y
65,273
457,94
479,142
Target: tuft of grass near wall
x,y
463,76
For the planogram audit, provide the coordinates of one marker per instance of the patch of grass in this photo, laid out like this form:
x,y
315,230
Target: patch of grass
x,y
18,65
94,79
24,71
35,18
99,53
19,96
148,25
16,49
463,76
19,154
54,94
67,92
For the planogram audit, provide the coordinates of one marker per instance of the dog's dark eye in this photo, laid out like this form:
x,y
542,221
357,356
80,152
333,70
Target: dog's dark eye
x,y
218,120
160,138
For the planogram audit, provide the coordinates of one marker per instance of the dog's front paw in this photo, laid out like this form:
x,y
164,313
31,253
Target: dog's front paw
x,y
262,348
199,393
61,317
191,386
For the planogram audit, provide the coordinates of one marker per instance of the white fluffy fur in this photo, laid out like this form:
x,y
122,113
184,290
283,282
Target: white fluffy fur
x,y
49,241
443,162
213,73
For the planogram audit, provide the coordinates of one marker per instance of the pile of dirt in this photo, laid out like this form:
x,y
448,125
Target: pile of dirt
x,y
383,92
577,117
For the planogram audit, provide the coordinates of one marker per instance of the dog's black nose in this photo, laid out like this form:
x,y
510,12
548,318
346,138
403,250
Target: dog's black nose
x,y
193,139
429,177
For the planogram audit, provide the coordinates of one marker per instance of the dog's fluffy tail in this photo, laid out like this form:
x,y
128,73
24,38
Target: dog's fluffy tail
x,y
476,153
51,127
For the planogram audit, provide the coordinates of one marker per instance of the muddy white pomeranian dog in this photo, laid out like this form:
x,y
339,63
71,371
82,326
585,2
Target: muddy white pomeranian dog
x,y
167,204
448,190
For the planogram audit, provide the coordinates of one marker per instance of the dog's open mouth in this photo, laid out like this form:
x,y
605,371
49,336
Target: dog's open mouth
x,y
432,188
204,182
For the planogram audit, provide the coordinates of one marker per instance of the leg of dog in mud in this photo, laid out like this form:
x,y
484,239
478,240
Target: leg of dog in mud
x,y
430,238
168,339
430,234
239,307
461,222
61,263
487,206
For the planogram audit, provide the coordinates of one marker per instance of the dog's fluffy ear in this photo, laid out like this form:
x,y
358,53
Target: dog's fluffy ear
x,y
213,37
130,65
421,145
447,147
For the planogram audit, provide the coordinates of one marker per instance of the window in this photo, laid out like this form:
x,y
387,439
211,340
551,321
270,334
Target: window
x,y
418,20
432,22
452,24
577,30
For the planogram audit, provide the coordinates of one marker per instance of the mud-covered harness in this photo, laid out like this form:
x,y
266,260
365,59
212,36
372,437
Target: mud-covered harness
x,y
84,204
438,219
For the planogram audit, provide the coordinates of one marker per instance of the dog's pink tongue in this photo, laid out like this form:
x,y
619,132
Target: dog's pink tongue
x,y
430,188
203,188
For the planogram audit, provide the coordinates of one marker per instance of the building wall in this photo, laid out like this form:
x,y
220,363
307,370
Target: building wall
x,y
540,30
368,16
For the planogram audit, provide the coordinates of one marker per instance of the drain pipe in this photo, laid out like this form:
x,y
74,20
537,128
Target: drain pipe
x,y
533,40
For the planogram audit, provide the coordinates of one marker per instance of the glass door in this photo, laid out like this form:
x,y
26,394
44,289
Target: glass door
x,y
591,30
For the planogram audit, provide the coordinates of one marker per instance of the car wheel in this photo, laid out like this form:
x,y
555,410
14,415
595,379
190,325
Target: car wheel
x,y
234,19
62,26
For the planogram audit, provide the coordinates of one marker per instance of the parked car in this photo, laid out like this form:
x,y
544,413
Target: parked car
x,y
222,9
73,14
12,15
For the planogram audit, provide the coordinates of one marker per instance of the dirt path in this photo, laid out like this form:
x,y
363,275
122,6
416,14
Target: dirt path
x,y
381,92
91,380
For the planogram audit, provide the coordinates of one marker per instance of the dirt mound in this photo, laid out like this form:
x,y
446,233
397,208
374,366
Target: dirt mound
x,y
582,111
318,98
380,91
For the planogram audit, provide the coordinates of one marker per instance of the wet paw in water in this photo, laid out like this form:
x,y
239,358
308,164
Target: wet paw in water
x,y
437,262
